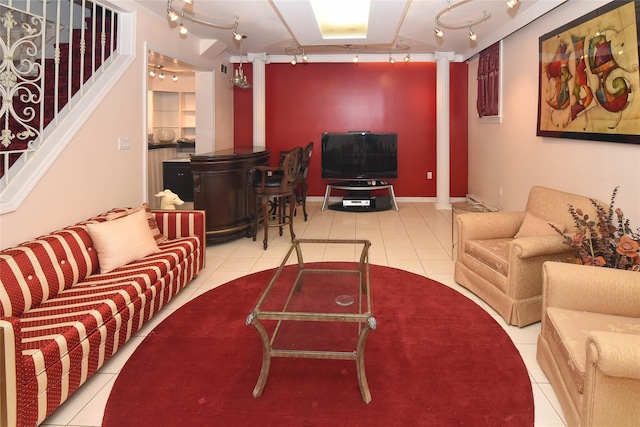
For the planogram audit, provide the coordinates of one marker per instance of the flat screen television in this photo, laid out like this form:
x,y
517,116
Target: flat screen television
x,y
359,155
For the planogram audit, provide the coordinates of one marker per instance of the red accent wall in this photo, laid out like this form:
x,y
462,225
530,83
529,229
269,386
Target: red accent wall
x,y
305,100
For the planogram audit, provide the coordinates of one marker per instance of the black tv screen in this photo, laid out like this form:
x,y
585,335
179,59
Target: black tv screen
x,y
359,156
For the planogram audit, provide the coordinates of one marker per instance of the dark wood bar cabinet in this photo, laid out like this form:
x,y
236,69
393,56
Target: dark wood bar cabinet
x,y
222,187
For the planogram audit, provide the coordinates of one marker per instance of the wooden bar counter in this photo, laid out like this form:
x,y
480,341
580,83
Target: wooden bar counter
x,y
222,187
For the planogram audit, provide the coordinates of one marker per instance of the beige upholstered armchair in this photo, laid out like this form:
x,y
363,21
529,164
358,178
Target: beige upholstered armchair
x,y
589,344
500,254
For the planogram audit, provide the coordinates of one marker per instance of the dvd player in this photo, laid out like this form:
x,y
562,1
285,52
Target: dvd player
x,y
356,202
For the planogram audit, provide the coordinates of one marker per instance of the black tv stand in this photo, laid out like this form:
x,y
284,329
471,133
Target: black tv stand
x,y
359,198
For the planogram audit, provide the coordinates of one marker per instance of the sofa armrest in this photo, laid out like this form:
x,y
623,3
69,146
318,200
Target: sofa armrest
x,y
612,380
616,355
10,372
533,246
181,223
488,225
593,289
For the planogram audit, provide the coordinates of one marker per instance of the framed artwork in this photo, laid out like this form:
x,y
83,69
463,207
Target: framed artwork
x,y
589,85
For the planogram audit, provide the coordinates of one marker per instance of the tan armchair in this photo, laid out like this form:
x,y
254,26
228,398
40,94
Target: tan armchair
x,y
589,344
500,255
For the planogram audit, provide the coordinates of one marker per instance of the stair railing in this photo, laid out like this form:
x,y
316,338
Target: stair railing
x,y
52,52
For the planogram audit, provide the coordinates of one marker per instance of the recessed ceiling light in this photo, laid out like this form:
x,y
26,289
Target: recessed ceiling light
x,y
339,19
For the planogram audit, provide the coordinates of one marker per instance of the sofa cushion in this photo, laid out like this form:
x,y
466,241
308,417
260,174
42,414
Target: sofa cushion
x,y
152,267
53,329
122,240
39,269
553,205
570,328
492,252
151,219
535,226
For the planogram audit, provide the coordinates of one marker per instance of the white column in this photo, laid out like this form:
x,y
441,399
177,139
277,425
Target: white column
x,y
259,117
442,130
205,112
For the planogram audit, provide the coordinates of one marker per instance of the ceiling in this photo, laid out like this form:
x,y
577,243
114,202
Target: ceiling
x,y
275,26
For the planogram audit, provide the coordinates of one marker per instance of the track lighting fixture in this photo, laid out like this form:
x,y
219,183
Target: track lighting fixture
x,y
159,70
437,29
512,3
296,51
473,19
173,14
236,35
154,69
183,30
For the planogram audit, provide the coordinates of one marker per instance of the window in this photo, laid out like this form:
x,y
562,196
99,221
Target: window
x,y
489,81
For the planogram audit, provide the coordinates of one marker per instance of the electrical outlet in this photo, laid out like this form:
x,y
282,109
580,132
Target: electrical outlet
x,y
429,175
124,143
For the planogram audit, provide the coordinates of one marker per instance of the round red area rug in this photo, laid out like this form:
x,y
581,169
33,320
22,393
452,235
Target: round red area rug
x,y
435,359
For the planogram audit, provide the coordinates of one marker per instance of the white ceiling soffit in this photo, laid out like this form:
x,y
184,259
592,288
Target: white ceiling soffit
x,y
385,18
272,26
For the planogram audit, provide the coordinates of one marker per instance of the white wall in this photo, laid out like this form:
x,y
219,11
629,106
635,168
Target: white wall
x,y
92,175
510,155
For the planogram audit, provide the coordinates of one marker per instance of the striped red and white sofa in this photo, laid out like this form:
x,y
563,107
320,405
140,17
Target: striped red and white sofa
x,y
62,316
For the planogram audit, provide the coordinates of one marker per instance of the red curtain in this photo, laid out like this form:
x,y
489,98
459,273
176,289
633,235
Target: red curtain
x,y
489,81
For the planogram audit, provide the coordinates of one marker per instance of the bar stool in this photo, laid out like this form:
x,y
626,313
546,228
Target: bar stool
x,y
301,179
277,184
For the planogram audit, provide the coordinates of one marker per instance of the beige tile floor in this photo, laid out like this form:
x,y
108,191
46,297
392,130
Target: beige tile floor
x,y
416,239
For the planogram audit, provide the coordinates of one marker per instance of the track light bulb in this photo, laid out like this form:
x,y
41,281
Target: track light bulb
x,y
188,1
238,36
152,73
438,32
161,76
391,60
512,3
472,36
407,58
304,56
183,29
175,78
294,61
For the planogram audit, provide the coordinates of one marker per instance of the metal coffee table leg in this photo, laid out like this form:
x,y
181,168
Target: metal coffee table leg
x,y
360,368
266,354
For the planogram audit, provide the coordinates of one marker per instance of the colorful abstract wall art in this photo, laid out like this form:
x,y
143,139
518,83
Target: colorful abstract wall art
x,y
589,77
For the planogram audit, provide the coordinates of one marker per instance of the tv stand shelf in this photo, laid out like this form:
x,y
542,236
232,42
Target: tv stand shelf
x,y
354,188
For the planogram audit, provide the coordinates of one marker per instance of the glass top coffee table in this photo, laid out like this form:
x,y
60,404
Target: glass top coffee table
x,y
319,312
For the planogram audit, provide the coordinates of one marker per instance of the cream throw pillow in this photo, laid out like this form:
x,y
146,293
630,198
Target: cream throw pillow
x,y
151,219
121,241
534,226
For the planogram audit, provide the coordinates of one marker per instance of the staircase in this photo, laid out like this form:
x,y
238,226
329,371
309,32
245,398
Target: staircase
x,y
53,55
